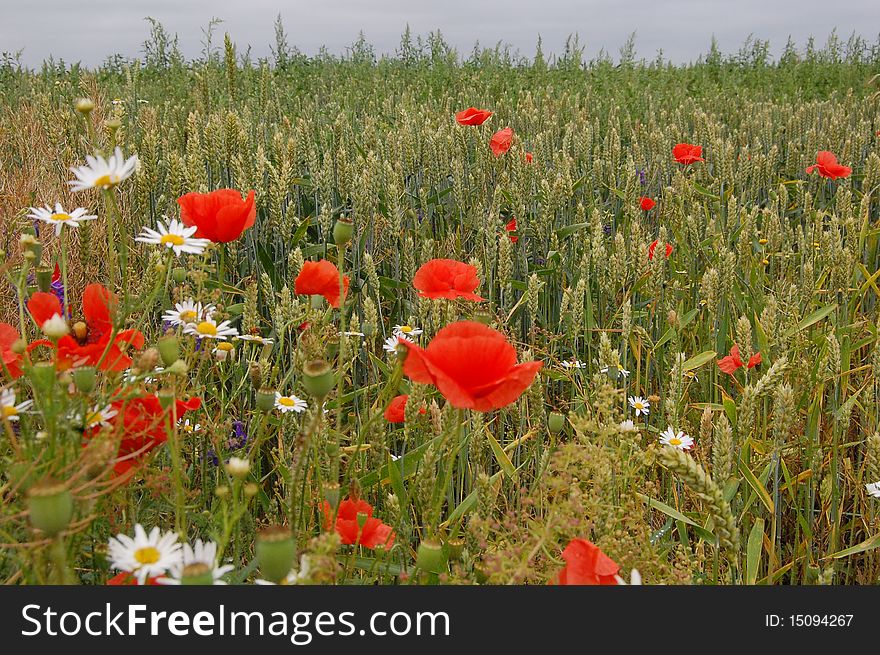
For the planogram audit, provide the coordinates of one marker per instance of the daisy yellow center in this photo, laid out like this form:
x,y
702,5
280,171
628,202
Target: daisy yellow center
x,y
95,417
147,555
675,441
406,329
106,180
172,239
287,402
207,327
225,346
188,315
60,217
639,405
9,410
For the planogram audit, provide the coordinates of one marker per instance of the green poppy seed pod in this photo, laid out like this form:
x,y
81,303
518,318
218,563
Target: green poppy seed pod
x,y
50,506
318,378
430,557
166,398
169,349
178,274
330,493
276,551
44,278
85,378
555,422
454,549
178,368
197,573
482,316
266,399
42,376
343,230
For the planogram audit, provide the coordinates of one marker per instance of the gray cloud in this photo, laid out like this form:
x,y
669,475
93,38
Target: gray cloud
x,y
89,30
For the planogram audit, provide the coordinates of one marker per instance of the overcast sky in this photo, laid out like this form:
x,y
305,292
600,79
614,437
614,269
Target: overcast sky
x,y
89,30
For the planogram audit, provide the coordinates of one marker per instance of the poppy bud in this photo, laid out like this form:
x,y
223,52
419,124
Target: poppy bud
x,y
31,247
430,557
178,368
343,230
178,274
276,551
251,490
318,378
99,452
84,106
113,124
555,422
169,349
44,278
42,375
256,374
197,573
50,506
266,399
148,360
222,491
19,346
80,330
84,378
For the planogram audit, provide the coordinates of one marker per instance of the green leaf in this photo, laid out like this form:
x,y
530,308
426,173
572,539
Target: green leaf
x,y
500,456
868,544
812,319
699,360
757,487
753,551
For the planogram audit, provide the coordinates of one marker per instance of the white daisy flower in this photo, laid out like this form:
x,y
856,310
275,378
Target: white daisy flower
x,y
873,489
623,372
635,578
407,331
256,338
187,426
100,173
628,426
205,552
390,345
290,403
208,328
641,405
59,217
174,235
8,409
188,311
574,363
680,440
294,577
99,416
145,556
223,350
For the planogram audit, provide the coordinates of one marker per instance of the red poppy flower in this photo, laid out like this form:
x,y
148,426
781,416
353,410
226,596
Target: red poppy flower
x,y
221,215
397,408
586,564
447,278
826,164
511,227
687,153
320,278
732,362
144,424
653,247
126,579
529,157
373,534
472,365
12,361
647,204
501,141
473,116
87,344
